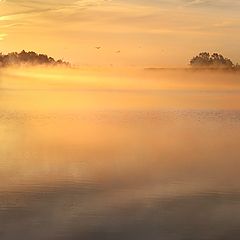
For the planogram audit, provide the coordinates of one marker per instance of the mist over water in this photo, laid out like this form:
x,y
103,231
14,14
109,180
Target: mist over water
x,y
119,154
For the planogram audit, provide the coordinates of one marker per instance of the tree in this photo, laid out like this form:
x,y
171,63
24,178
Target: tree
x,y
29,58
214,61
202,60
218,60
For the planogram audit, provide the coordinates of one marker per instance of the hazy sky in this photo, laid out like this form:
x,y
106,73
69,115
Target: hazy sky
x,y
129,32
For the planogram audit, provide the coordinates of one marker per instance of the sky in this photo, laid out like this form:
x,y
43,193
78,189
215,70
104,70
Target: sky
x,y
138,33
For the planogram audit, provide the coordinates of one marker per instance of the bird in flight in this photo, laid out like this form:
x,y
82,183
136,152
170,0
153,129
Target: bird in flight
x,y
118,51
98,48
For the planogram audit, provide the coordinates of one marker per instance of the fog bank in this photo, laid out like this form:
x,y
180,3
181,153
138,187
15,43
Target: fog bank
x,y
115,89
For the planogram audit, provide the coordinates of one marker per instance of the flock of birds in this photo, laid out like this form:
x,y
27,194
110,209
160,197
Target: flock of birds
x,y
98,48
118,51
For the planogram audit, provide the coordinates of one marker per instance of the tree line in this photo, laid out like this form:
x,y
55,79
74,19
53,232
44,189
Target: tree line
x,y
214,61
28,58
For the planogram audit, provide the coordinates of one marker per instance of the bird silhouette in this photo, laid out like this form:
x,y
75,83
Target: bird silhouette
x,y
98,48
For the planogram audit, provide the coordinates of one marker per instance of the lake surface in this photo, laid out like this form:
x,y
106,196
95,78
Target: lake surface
x,y
108,164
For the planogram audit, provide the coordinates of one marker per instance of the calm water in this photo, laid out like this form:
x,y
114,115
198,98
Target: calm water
x,y
74,172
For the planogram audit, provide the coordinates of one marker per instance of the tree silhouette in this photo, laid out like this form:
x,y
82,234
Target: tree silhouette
x,y
202,60
215,60
28,58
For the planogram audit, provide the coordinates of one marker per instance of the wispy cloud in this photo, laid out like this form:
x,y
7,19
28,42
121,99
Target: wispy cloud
x,y
19,9
229,3
80,24
219,4
2,35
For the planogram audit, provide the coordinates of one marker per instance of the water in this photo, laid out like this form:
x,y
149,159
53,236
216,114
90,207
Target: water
x,y
89,165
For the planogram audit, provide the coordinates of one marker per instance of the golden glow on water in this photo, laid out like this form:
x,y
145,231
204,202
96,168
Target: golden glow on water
x,y
64,108
75,89
79,146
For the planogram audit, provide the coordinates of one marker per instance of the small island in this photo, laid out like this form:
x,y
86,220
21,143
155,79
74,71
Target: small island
x,y
215,61
29,58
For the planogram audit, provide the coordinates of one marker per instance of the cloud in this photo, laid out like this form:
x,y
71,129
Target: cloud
x,y
218,5
118,16
51,25
204,4
2,36
20,9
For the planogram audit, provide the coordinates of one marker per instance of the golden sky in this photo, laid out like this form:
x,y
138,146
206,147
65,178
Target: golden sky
x,y
164,33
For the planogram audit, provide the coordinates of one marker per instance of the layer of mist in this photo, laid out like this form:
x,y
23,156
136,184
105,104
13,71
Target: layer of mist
x,y
128,88
119,154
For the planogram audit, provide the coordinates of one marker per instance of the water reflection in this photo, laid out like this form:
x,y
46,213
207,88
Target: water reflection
x,y
115,175
68,172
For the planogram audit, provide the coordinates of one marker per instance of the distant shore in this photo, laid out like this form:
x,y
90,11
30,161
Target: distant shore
x,y
190,69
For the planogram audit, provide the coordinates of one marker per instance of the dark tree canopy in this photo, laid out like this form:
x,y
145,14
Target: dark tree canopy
x,y
28,58
205,60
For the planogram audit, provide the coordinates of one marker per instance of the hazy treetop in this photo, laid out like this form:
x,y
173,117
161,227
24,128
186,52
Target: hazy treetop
x,y
205,60
28,58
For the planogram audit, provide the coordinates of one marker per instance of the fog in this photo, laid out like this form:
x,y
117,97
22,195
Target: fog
x,y
119,154
109,88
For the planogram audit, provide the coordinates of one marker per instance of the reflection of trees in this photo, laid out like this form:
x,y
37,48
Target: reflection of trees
x,y
31,58
215,60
